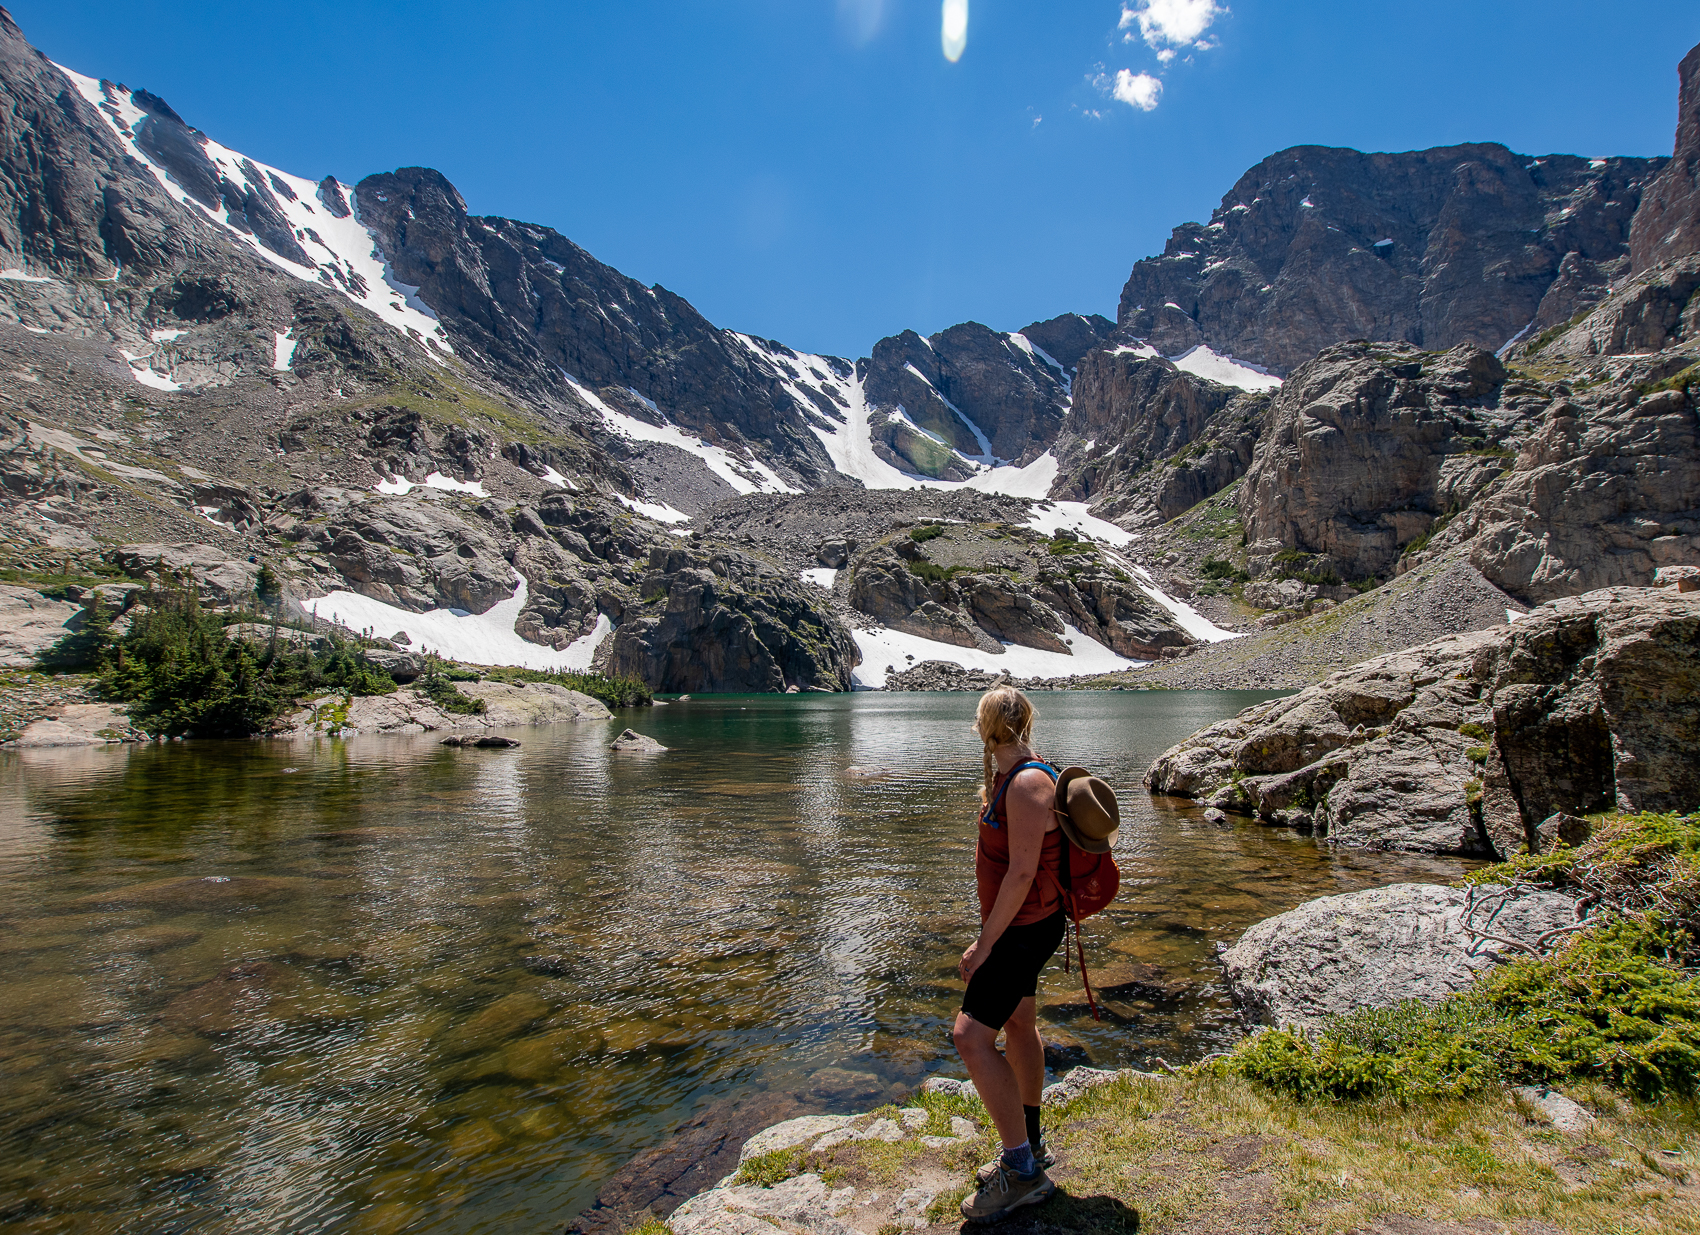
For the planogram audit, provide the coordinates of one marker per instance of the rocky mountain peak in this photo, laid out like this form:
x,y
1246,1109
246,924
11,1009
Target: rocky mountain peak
x,y
1668,224
1458,244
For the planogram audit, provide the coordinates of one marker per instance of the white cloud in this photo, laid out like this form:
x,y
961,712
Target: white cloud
x,y
1171,23
1166,55
1139,90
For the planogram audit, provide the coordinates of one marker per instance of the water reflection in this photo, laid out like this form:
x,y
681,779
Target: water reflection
x,y
384,984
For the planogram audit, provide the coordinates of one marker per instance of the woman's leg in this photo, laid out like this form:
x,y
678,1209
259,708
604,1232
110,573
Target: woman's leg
x,y
1024,1050
994,1080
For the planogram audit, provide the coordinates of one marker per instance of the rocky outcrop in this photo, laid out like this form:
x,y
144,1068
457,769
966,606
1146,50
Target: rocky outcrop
x,y
631,741
1147,441
30,623
723,621
78,724
535,307
971,391
1369,445
1380,947
508,704
219,578
414,552
984,588
1455,245
1667,225
1465,745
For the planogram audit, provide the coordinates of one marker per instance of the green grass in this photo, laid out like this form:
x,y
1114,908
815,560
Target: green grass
x,y
615,692
1617,1003
926,532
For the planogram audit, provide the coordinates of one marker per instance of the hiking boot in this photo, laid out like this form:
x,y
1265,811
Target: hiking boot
x,y
1042,1155
1005,1192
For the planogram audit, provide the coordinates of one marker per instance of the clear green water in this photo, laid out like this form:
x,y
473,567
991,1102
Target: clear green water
x,y
378,984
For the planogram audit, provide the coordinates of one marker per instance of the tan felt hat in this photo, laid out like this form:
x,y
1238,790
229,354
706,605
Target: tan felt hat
x,y
1086,810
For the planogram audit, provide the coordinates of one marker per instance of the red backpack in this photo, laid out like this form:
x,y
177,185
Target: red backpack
x,y
1086,882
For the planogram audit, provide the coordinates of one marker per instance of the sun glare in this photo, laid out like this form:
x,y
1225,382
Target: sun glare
x,y
955,31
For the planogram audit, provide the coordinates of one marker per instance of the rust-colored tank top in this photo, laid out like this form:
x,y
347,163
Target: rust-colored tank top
x,y
991,863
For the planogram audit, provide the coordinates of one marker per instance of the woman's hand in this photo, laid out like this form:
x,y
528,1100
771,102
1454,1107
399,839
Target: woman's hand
x,y
971,960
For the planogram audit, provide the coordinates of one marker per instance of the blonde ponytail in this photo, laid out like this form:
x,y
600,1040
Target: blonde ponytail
x,y
1005,715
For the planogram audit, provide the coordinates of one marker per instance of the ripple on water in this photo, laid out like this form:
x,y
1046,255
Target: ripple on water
x,y
397,991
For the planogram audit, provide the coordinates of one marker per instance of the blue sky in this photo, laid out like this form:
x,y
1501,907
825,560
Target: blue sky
x,y
817,171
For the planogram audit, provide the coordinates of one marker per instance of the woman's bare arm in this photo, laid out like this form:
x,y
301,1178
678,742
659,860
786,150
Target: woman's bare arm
x,y
1027,806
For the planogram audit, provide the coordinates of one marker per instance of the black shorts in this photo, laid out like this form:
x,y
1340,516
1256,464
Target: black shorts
x,y
1011,973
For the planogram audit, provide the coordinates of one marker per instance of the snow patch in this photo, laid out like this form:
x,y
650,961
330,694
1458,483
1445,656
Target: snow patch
x,y
820,576
1140,349
399,485
478,638
1186,617
661,512
344,252
166,336
1200,361
552,477
141,368
23,276
1050,517
283,352
744,475
882,646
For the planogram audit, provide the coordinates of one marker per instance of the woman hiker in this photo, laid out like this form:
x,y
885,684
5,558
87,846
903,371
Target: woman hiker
x,y
1021,924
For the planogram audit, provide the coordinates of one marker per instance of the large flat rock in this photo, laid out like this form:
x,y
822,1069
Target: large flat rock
x,y
30,623
1380,947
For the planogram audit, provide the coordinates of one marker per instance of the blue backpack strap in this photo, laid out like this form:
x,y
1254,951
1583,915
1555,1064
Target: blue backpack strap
x,y
989,815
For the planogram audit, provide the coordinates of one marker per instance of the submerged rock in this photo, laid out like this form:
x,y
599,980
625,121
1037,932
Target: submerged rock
x,y
1379,947
632,740
491,742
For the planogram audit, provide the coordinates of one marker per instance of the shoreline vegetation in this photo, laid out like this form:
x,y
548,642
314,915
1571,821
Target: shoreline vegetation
x,y
187,670
1423,1116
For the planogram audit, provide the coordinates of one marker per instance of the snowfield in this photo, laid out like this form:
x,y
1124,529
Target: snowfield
x,y
477,638
884,646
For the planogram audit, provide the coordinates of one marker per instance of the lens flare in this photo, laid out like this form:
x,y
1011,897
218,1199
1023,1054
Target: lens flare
x,y
955,30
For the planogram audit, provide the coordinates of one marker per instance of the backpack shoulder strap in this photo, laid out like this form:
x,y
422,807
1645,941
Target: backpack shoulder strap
x,y
991,807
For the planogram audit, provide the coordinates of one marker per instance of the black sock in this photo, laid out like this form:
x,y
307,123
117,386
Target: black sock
x,y
1034,1136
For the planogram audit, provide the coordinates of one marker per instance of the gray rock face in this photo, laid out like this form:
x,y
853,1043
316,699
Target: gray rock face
x,y
1369,444
1380,947
414,552
1458,244
78,724
1667,225
723,621
1146,441
969,388
634,742
1589,703
30,623
219,578
532,304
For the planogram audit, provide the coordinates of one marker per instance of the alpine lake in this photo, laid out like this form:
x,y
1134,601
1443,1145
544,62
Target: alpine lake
x,y
377,984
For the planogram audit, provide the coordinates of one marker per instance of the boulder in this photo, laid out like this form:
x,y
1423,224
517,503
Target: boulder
x,y
1464,745
79,724
1558,1110
489,742
219,578
1682,578
633,741
801,1205
404,667
1380,947
507,704
30,623
1561,829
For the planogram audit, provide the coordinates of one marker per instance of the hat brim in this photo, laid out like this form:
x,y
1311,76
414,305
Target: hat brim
x,y
1059,808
